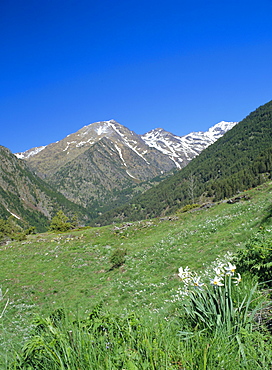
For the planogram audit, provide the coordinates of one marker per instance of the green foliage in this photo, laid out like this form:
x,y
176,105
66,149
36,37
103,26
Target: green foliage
x,y
228,308
30,230
9,226
19,237
59,223
222,315
74,222
118,257
28,196
256,257
9,229
102,341
140,324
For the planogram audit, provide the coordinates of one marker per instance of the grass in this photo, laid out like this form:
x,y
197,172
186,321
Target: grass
x,y
73,269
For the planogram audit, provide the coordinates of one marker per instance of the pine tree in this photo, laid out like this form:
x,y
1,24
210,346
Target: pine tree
x,y
60,222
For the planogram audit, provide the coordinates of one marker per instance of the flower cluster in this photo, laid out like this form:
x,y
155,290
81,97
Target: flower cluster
x,y
214,277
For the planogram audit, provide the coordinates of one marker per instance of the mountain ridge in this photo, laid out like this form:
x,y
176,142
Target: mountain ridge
x,y
105,163
201,139
184,148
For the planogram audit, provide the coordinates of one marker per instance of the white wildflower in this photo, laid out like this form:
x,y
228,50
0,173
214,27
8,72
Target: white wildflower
x,y
184,273
237,279
219,270
197,283
216,281
230,269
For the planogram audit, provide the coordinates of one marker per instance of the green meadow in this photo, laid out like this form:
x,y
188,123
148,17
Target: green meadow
x,y
147,323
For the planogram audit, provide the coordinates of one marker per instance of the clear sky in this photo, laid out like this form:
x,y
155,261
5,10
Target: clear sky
x,y
181,65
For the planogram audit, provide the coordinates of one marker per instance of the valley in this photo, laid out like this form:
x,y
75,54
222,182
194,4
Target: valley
x,y
113,257
73,269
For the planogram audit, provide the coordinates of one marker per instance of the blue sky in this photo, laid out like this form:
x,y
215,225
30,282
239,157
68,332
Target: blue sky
x,y
179,65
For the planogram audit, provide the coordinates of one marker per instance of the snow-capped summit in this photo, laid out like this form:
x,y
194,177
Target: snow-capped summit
x,y
172,150
181,149
220,128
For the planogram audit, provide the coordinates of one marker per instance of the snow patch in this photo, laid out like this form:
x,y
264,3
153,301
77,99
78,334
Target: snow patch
x,y
131,175
102,130
81,143
68,144
29,153
187,146
120,154
13,214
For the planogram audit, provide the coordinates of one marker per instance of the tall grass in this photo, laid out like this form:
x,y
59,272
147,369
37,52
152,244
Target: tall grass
x,y
100,342
147,320
210,328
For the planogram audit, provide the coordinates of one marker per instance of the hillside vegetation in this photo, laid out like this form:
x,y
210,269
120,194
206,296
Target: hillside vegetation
x,y
237,161
184,282
29,199
123,269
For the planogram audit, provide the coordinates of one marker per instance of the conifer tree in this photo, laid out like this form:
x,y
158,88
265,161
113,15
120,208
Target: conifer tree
x,y
60,222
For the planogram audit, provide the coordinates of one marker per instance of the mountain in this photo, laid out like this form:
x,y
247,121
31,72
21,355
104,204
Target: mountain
x,y
27,197
179,149
138,159
104,164
240,159
100,178
99,166
182,149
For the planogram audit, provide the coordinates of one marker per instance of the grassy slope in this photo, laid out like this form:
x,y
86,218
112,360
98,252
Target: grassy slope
x,y
72,270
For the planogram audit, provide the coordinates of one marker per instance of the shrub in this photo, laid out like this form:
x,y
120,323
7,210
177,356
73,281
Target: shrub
x,y
19,237
256,257
188,207
118,258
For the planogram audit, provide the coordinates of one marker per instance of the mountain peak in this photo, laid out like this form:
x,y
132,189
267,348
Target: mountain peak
x,y
178,149
222,126
182,149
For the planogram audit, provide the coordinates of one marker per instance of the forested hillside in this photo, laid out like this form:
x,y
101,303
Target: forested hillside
x,y
241,159
26,197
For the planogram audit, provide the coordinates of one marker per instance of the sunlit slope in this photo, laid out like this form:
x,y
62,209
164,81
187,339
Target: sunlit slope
x,y
74,269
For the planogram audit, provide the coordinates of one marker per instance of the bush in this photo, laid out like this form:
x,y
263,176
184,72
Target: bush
x,y
188,207
256,258
19,237
118,258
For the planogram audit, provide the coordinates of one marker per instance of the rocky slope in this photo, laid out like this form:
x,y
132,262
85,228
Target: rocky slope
x,y
179,149
129,146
